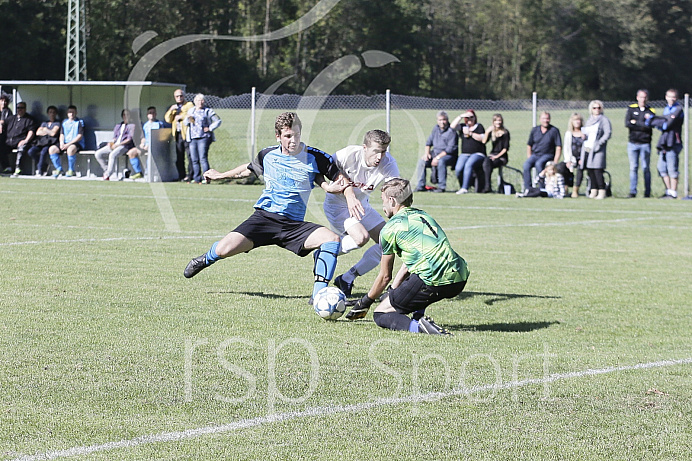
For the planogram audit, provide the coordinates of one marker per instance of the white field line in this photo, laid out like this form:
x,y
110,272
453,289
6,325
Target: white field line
x,y
331,410
111,239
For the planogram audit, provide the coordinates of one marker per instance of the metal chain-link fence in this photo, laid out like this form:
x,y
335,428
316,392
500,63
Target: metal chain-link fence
x,y
331,122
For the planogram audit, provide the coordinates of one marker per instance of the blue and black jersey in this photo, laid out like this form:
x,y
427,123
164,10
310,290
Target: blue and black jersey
x,y
289,179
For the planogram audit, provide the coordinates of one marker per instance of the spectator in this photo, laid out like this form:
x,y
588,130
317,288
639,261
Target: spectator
x,y
574,139
670,143
71,141
133,154
472,148
639,142
550,184
47,135
20,129
499,136
543,146
440,152
201,122
5,112
122,142
174,115
598,131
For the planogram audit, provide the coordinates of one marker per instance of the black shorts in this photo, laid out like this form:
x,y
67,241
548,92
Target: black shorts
x,y
265,228
413,294
78,146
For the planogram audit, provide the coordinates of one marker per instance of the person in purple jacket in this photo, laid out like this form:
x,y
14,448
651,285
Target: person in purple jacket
x,y
121,143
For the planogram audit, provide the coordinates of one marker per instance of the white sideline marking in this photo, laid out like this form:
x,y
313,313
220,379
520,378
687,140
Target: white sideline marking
x,y
330,410
111,239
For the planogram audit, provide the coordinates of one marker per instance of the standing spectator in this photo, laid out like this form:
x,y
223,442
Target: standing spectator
x,y
598,131
122,142
133,154
574,139
440,152
20,129
174,115
47,135
543,146
71,141
639,142
499,136
472,148
670,143
5,112
201,122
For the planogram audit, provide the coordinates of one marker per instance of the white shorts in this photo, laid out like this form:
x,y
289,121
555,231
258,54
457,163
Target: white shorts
x,y
340,220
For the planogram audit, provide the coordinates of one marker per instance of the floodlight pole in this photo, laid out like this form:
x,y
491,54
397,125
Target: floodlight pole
x,y
75,50
534,103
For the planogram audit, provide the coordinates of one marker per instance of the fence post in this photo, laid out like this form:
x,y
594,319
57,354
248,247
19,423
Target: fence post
x,y
534,103
253,138
388,110
686,144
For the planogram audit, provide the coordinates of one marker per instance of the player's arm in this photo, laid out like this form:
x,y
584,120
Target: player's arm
x,y
241,171
383,277
355,208
400,276
335,187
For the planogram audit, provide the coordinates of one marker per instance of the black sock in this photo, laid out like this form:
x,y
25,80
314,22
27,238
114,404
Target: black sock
x,y
392,320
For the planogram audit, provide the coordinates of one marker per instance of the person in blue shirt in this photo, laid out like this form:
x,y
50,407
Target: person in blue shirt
x,y
152,123
71,142
670,143
290,170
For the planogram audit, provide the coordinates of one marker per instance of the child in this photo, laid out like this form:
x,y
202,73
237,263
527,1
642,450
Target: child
x,y
550,182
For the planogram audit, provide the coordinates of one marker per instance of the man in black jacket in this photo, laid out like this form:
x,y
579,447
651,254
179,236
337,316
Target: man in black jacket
x,y
639,142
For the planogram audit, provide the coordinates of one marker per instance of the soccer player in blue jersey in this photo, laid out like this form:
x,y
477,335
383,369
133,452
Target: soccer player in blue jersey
x,y
290,169
432,270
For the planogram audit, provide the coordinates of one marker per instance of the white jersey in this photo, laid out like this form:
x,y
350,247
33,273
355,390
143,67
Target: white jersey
x,y
351,161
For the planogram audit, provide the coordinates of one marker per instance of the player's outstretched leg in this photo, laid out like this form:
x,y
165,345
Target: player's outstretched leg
x,y
230,245
369,261
200,262
325,264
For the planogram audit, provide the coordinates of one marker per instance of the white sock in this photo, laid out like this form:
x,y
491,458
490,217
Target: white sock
x,y
370,260
347,244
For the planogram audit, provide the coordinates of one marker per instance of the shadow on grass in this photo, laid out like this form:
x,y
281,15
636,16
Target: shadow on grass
x,y
259,294
497,297
516,327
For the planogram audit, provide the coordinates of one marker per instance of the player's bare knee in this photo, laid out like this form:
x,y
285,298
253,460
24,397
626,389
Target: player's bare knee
x,y
385,307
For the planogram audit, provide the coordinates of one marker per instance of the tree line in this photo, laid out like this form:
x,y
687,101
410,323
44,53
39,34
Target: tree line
x,y
485,49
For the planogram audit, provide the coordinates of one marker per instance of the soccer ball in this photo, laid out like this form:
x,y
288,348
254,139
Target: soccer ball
x,y
330,303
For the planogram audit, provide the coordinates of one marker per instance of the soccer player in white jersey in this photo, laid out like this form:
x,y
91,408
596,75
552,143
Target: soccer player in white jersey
x,y
350,213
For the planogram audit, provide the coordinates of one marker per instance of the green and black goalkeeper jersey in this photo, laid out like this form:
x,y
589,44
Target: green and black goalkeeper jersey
x,y
415,237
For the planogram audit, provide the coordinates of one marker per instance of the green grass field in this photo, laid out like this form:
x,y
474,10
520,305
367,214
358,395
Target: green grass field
x,y
572,338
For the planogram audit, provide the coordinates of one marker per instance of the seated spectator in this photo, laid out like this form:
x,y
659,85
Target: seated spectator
x,y
574,140
499,136
440,152
20,129
201,122
47,135
152,123
71,141
472,148
5,112
544,145
122,142
550,184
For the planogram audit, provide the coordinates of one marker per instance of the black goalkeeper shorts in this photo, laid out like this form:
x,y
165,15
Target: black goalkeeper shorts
x,y
413,294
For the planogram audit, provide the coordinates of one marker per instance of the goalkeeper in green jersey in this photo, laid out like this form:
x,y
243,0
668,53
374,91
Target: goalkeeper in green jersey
x,y
432,270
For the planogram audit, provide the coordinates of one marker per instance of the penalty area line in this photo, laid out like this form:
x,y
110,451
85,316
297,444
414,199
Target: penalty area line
x,y
331,410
